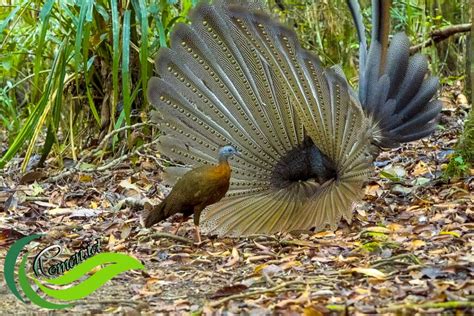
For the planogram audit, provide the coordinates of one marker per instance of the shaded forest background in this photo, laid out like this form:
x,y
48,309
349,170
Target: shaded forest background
x,y
73,72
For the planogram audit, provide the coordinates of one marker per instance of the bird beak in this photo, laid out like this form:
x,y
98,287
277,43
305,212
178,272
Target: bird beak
x,y
238,154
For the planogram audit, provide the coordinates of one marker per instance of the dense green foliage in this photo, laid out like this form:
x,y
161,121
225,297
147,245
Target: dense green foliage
x,y
327,28
463,158
74,70
68,65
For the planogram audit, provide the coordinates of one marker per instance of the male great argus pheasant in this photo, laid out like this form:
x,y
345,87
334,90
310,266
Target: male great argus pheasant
x,y
237,76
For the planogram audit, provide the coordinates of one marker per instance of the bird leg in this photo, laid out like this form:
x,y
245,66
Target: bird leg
x,y
179,225
198,234
197,214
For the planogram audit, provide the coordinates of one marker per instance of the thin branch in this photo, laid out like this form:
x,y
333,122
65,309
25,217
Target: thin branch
x,y
256,292
445,305
104,141
159,235
125,157
282,287
441,34
396,260
132,303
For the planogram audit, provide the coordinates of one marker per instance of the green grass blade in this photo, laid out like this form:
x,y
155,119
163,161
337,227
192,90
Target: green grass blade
x,y
51,136
4,23
66,12
44,18
115,58
85,4
144,64
33,124
85,65
161,31
117,125
126,67
55,91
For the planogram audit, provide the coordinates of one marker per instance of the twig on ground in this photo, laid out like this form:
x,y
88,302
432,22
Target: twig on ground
x,y
282,287
301,243
124,157
157,160
268,279
37,198
394,260
417,306
159,235
256,292
261,236
391,263
132,303
106,138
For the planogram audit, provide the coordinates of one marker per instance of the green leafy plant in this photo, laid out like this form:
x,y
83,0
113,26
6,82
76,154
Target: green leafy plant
x,y
77,69
457,167
463,158
8,113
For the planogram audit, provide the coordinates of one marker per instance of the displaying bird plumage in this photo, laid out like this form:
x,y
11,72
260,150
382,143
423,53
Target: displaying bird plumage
x,y
394,89
194,191
236,75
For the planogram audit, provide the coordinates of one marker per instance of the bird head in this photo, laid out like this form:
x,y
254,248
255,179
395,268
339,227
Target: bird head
x,y
226,152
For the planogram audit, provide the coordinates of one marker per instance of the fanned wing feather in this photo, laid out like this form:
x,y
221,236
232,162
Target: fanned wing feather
x,y
334,122
265,212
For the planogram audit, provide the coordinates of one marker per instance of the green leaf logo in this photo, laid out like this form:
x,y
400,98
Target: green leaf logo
x,y
115,263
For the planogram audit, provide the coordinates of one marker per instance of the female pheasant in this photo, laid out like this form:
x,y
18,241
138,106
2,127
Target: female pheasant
x,y
196,189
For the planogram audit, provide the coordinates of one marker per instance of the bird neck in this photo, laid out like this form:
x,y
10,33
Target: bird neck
x,y
223,168
223,160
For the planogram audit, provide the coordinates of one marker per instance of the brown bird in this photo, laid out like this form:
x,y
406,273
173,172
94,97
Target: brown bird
x,y
196,189
236,75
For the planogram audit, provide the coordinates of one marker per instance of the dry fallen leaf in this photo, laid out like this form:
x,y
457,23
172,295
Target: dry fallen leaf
x,y
302,299
370,272
415,244
229,290
373,190
461,99
8,236
271,269
377,229
290,264
234,259
33,176
85,177
316,310
420,169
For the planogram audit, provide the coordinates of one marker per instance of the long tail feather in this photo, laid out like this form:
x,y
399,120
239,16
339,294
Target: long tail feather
x,y
394,89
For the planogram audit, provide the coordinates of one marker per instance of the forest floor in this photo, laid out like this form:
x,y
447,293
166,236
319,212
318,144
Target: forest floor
x,y
409,248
